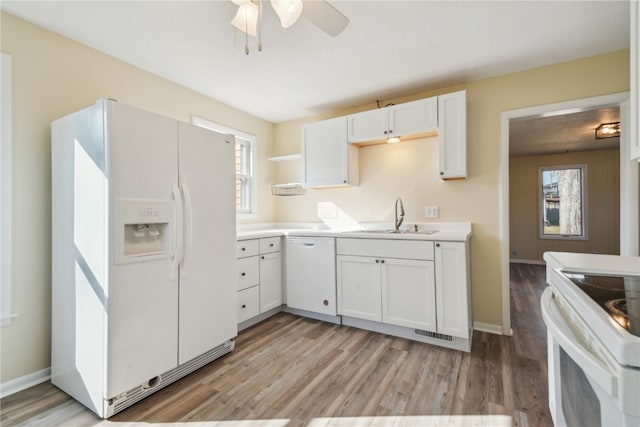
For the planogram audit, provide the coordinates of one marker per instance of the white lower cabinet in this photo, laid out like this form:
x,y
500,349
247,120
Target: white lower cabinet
x,y
452,289
359,287
270,281
248,303
410,288
408,293
259,266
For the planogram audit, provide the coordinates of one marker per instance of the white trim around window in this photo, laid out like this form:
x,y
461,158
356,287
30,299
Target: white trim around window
x,y
250,171
543,202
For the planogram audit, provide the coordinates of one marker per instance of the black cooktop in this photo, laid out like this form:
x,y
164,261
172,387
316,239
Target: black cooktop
x,y
619,296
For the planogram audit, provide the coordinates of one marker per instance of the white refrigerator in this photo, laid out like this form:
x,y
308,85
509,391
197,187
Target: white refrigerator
x,y
143,261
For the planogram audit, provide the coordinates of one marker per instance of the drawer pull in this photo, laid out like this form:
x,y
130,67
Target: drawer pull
x,y
243,274
244,305
242,249
271,244
382,261
262,257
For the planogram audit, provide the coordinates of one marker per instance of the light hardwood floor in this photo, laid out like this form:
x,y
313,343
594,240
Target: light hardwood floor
x,y
292,371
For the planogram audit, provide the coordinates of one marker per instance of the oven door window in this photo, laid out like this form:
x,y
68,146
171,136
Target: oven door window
x,y
580,403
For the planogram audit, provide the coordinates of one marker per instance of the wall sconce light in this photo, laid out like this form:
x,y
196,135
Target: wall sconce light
x,y
608,130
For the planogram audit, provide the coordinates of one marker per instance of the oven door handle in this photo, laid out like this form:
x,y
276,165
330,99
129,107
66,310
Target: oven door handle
x,y
572,345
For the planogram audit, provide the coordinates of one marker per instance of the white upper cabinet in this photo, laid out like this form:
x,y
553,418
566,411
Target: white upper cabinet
x,y
368,125
410,118
329,160
452,135
634,125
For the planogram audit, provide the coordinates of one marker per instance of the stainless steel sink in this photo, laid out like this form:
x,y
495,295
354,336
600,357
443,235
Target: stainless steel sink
x,y
398,231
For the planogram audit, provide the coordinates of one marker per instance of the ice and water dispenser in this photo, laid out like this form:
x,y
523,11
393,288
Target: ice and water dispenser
x,y
143,229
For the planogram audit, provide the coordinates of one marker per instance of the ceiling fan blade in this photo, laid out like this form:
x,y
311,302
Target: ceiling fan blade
x,y
324,16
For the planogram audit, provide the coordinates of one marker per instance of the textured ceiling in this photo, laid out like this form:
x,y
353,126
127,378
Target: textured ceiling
x,y
389,49
561,133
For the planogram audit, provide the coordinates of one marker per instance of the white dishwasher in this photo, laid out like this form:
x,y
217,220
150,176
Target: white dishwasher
x,y
311,274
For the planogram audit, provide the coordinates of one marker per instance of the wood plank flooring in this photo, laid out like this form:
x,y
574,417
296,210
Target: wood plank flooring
x,y
292,371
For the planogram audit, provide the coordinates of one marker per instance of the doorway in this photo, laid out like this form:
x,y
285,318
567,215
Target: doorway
x,y
628,180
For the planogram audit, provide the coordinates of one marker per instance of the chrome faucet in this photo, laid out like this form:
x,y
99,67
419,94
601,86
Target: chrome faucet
x,y
398,222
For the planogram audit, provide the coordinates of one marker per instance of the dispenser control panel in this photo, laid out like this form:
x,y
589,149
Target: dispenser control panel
x,y
143,229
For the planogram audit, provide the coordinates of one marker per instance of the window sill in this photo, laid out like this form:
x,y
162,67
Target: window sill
x,y
7,320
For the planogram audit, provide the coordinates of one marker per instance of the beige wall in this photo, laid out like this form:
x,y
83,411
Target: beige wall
x,y
54,76
409,169
603,204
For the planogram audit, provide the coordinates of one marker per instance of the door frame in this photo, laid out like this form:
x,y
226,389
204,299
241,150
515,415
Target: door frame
x,y
629,220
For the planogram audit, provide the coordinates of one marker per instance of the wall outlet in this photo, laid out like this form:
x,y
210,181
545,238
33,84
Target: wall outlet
x,y
431,212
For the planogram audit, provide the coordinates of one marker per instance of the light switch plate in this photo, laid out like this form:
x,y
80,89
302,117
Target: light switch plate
x,y
431,212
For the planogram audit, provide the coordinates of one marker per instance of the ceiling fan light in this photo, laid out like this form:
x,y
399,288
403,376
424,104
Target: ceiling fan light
x,y
246,19
288,11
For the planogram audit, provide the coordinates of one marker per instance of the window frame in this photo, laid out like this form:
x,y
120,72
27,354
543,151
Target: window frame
x,y
249,178
583,204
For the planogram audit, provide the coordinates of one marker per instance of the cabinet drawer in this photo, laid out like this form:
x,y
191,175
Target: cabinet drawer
x,y
386,248
248,272
245,248
248,303
270,244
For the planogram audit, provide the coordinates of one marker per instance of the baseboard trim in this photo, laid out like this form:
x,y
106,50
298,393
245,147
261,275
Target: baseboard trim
x,y
10,387
487,327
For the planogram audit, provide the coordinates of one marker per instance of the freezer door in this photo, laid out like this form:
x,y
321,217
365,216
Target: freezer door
x,y
142,310
208,293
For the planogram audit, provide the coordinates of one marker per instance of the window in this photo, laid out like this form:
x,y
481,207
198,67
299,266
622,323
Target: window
x,y
5,191
245,165
562,202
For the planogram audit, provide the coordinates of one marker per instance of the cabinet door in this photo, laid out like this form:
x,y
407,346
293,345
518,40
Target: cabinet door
x,y
325,150
452,135
359,287
452,290
248,272
270,281
408,293
248,303
413,118
368,125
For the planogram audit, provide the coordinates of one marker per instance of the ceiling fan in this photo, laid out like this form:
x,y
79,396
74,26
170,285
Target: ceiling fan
x,y
319,12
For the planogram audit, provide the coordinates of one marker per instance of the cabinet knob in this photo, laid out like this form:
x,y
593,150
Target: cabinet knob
x,y
385,132
271,244
382,261
244,305
262,257
441,173
325,302
243,274
390,130
242,249
437,245
344,181
377,260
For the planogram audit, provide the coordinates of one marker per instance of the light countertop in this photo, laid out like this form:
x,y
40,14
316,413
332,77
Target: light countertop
x,y
457,232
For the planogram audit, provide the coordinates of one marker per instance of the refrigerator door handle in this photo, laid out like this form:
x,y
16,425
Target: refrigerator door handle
x,y
177,231
187,218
